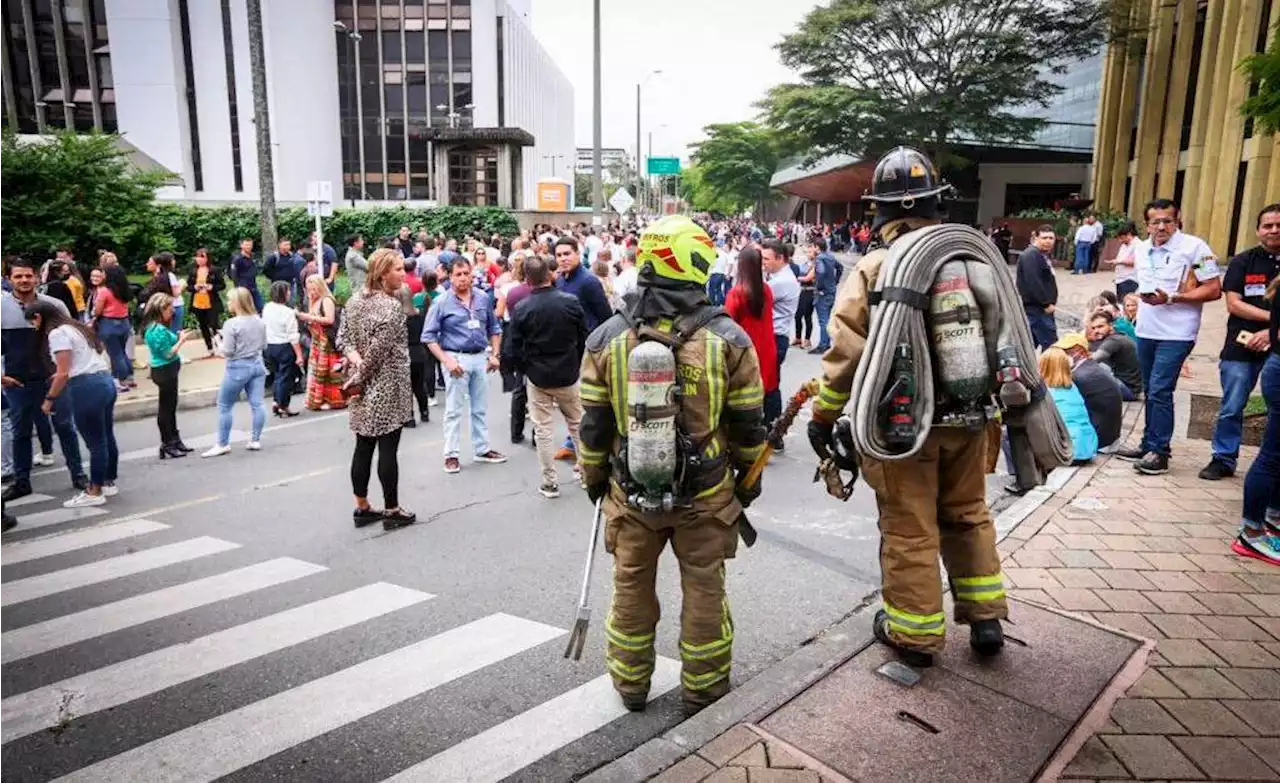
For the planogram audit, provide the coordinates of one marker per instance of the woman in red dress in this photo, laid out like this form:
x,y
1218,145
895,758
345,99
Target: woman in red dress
x,y
750,304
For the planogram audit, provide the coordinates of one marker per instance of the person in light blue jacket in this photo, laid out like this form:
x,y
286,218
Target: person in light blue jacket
x,y
1055,369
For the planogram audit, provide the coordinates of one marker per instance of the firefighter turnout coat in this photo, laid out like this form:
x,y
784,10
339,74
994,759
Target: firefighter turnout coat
x,y
931,503
721,401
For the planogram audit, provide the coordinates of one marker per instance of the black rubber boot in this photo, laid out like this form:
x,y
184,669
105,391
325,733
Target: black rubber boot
x,y
916,658
635,702
986,637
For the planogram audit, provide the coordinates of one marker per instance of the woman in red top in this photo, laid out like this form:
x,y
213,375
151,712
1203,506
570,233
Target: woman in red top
x,y
750,304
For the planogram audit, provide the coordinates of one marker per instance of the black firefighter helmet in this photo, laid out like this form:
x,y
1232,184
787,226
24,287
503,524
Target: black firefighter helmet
x,y
904,175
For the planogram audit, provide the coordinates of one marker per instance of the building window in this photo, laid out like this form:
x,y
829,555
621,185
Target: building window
x,y
45,88
228,55
473,176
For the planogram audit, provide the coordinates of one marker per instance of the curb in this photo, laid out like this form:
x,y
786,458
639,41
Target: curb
x,y
135,408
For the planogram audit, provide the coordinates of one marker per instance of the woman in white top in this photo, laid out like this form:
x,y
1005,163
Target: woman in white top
x,y
82,372
1126,273
284,351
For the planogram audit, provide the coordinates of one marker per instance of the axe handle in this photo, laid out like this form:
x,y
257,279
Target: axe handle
x,y
757,467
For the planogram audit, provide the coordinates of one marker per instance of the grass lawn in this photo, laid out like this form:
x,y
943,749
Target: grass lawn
x,y
1256,406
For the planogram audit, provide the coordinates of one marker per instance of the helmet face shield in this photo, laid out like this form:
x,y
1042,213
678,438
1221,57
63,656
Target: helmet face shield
x,y
905,174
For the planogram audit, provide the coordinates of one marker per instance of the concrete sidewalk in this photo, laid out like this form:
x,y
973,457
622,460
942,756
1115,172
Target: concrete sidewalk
x,y
197,382
1144,556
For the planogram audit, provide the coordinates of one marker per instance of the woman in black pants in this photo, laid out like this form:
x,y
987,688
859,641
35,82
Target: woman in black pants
x,y
804,308
205,282
418,354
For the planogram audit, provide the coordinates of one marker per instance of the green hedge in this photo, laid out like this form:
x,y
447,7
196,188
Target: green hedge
x,y
220,229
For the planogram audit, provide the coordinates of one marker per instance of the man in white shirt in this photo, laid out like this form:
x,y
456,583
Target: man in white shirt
x,y
1089,232
1177,274
786,298
627,280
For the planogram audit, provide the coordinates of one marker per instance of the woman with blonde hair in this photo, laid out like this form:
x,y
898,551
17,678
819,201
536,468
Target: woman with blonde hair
x,y
324,383
374,339
166,361
1055,369
241,342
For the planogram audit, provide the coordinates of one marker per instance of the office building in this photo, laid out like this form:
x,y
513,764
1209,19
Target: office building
x,y
612,159
446,101
1170,122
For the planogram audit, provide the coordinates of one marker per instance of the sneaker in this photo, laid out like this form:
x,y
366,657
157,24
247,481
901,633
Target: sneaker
x,y
431,402
1216,471
83,500
217,451
110,490
366,516
43,460
451,465
820,350
1264,548
565,454
549,490
6,479
1152,465
491,456
253,445
1135,453
401,517
18,489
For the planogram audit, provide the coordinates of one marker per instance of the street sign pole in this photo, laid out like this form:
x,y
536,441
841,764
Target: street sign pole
x,y
320,205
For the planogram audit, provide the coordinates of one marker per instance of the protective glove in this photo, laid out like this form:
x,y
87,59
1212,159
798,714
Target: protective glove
x,y
746,495
597,491
821,438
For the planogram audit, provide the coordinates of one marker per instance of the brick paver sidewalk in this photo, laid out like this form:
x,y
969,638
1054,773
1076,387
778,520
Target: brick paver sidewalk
x,y
1150,554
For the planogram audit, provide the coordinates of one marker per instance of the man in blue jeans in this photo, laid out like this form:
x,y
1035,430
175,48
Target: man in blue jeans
x,y
1177,274
1087,234
26,382
1038,287
826,277
1248,343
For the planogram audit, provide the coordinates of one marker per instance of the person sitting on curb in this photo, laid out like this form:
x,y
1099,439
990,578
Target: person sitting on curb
x,y
1117,352
1100,389
1055,369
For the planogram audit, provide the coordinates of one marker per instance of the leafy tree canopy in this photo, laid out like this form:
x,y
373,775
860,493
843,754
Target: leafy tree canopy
x,y
735,163
877,73
77,190
701,196
1264,106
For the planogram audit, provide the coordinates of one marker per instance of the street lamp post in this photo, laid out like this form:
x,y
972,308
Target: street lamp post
x,y
639,164
597,180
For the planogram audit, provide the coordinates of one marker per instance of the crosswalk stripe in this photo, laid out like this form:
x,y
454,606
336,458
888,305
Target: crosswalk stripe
x,y
511,746
28,500
20,590
134,678
56,516
69,629
234,740
34,549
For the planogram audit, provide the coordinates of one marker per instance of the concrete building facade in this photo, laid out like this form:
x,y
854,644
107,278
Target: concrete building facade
x,y
419,101
1169,123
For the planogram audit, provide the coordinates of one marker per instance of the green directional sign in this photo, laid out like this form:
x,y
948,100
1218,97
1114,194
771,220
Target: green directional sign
x,y
662,167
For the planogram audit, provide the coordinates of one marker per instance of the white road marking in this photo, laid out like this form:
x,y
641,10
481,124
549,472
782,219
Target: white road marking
x,y
56,516
29,499
34,549
27,713
33,587
514,744
69,629
234,740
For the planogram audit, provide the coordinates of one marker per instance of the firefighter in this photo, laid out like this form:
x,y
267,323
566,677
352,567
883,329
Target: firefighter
x,y
672,403
933,502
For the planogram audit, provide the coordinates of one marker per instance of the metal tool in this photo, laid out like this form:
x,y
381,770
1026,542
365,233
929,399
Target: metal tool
x,y
579,636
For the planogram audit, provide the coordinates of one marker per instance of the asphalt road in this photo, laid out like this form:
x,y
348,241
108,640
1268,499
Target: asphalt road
x,y
222,618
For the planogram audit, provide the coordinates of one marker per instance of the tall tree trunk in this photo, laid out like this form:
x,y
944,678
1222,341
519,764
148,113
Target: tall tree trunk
x,y
262,126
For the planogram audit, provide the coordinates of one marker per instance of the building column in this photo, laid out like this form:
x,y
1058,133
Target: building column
x,y
1128,101
441,171
1261,163
504,177
1104,140
1231,146
1200,113
1154,102
1200,221
1180,78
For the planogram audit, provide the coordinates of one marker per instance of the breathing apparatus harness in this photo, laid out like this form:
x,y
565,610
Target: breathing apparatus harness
x,y
659,466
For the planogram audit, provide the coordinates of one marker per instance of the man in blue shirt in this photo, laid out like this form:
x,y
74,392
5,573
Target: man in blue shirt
x,y
826,276
577,280
244,271
460,327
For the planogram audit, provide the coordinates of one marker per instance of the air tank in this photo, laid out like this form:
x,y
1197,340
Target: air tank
x,y
651,416
962,370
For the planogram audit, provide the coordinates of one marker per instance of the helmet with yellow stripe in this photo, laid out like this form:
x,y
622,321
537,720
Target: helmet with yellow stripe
x,y
676,249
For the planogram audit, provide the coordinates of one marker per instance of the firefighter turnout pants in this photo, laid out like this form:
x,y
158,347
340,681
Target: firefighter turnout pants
x,y
701,544
931,503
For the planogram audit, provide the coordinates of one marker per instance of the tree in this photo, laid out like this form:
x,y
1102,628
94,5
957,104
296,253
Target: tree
x,y
78,190
582,189
877,73
1264,106
700,196
735,163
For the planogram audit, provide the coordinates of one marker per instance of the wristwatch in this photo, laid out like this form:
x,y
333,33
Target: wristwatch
x,y
49,398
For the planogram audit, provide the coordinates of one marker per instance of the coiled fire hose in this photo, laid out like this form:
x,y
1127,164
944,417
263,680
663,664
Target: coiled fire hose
x,y
1038,436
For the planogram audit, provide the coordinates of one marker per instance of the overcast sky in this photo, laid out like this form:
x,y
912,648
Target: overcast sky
x,y
716,57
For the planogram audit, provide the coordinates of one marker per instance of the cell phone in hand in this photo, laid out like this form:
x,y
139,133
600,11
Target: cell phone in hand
x,y
1244,337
